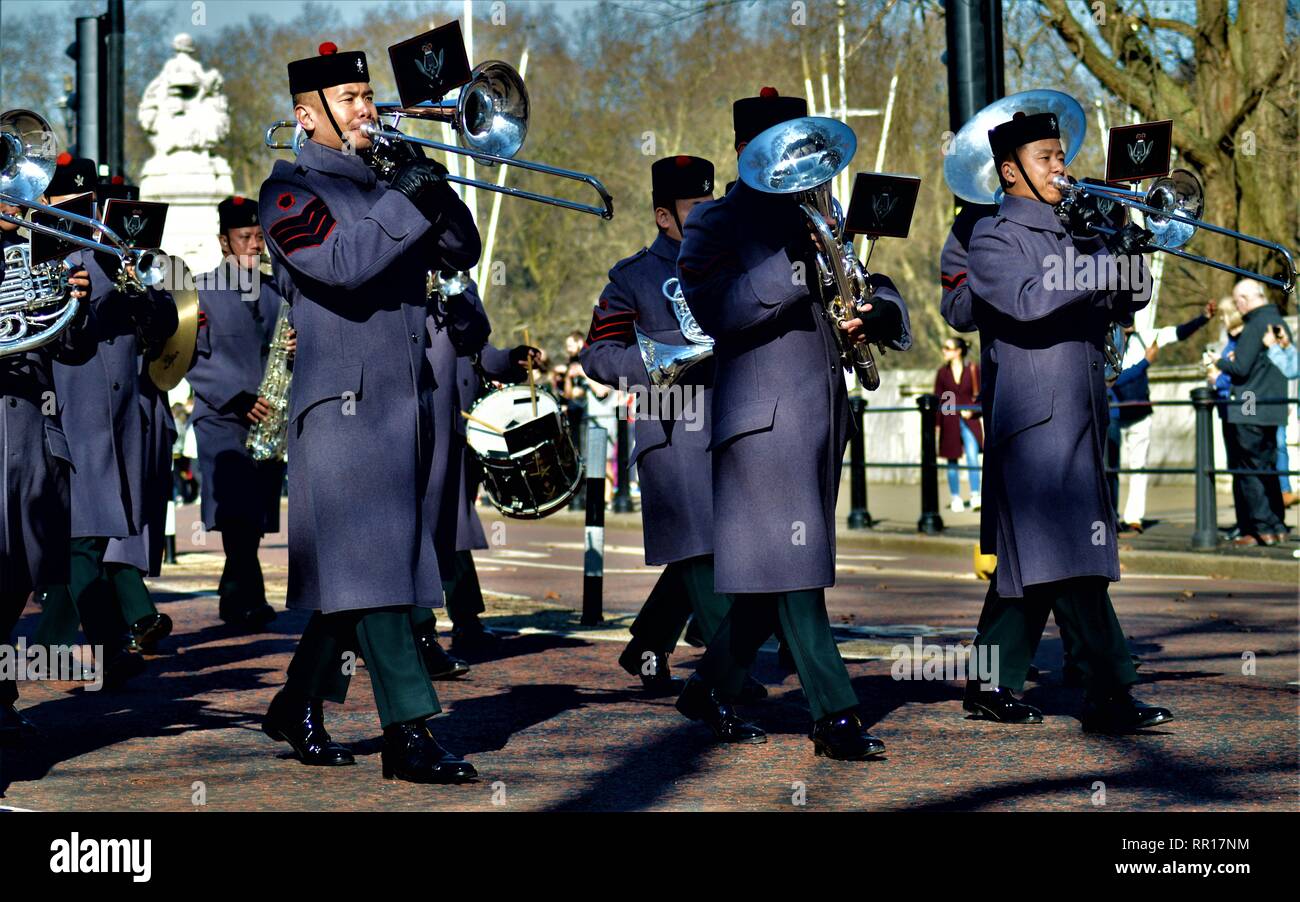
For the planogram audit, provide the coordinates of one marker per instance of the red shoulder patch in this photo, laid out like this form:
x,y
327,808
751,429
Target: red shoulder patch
x,y
285,201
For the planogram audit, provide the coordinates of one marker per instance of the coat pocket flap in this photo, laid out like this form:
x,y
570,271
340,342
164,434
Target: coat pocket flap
x,y
754,416
334,384
57,442
1008,419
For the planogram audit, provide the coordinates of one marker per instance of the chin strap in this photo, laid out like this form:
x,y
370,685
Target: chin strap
x,y
1015,155
338,131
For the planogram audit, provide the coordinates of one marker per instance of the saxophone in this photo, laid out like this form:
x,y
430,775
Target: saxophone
x,y
267,439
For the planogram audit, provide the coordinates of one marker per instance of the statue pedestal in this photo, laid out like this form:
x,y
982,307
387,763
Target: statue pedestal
x,y
192,183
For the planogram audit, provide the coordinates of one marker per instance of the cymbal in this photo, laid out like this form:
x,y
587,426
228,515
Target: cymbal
x,y
178,352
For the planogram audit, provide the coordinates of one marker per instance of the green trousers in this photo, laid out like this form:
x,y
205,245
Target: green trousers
x,y
242,587
684,588
323,664
132,595
1090,632
90,599
807,628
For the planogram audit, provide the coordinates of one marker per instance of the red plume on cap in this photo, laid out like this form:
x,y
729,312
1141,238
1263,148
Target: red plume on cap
x,y
682,161
328,48
236,200
1020,114
768,92
117,180
64,159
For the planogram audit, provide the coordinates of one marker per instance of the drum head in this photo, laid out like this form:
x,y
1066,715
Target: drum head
x,y
505,409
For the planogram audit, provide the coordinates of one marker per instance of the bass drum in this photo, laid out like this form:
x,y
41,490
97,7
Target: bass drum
x,y
530,465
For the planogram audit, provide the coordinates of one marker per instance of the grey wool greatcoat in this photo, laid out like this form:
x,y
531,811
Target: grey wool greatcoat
x,y
955,303
234,340
672,460
458,334
144,551
1047,512
780,406
34,530
353,258
103,414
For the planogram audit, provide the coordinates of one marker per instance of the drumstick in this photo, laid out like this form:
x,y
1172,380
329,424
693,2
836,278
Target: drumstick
x,y
483,423
532,387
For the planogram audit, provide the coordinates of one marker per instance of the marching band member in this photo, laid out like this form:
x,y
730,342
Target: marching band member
x,y
780,425
1047,511
672,454
107,426
352,254
458,351
240,496
35,511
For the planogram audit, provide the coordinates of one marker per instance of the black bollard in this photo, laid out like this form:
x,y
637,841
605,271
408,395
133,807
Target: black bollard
x,y
1206,534
930,523
859,516
623,494
593,558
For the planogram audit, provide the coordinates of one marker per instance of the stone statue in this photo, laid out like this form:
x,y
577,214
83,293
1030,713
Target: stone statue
x,y
185,115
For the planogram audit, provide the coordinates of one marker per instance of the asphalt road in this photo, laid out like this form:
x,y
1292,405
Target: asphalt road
x,y
552,723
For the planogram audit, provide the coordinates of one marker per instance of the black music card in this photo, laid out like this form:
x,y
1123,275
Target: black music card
x,y
1136,152
882,205
46,247
430,65
106,192
138,222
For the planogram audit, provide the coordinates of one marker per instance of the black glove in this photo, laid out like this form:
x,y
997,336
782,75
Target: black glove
x,y
1132,239
520,355
423,182
883,322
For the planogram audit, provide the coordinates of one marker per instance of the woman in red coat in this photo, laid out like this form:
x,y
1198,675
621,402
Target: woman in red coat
x,y
957,385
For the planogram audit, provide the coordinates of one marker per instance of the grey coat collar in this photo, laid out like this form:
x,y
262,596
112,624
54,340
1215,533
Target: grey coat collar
x,y
665,247
335,162
1032,213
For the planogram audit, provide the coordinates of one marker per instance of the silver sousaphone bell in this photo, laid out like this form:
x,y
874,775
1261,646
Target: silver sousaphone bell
x,y
667,363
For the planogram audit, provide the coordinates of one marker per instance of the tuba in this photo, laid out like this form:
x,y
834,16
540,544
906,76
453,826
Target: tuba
x,y
665,363
801,157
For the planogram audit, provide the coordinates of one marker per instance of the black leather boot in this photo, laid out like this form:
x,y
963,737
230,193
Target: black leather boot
x,y
841,737
249,619
302,725
147,632
440,664
121,665
998,704
752,691
699,702
411,753
1120,712
660,682
472,636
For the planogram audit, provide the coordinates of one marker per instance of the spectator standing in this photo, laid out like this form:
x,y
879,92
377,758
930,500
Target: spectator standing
x,y
1129,434
957,386
1254,379
1282,354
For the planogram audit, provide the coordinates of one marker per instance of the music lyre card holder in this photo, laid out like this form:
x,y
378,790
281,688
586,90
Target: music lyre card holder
x,y
430,65
1137,152
46,247
138,222
882,205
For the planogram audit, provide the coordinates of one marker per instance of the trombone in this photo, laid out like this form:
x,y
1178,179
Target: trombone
x,y
490,118
1173,206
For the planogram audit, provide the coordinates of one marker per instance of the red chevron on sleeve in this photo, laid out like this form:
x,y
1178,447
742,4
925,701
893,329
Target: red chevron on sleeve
x,y
612,326
307,228
954,281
